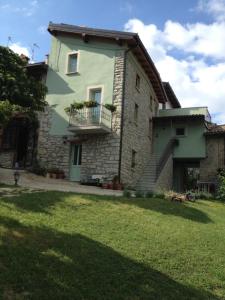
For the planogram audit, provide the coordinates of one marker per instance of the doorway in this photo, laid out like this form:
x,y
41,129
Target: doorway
x,y
75,162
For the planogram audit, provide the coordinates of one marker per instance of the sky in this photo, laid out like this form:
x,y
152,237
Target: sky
x,y
186,39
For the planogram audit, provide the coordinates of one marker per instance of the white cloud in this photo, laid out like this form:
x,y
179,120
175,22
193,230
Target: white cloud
x,y
27,10
17,48
216,8
195,81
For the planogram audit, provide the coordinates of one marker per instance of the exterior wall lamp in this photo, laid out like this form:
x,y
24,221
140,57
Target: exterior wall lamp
x,y
65,139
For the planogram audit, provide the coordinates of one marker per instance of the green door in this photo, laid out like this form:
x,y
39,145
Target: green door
x,y
75,162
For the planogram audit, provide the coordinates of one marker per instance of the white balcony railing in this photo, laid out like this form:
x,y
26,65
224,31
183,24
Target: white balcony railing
x,y
91,117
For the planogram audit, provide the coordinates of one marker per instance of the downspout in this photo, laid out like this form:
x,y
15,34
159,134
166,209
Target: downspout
x,y
122,108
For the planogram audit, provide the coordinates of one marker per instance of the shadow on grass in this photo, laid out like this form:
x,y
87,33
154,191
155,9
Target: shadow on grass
x,y
38,263
183,210
40,202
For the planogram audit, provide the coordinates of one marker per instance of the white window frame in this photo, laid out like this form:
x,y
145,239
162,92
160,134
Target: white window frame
x,y
95,87
67,62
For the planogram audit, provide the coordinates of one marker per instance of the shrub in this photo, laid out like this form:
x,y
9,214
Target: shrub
x,y
159,195
149,194
126,193
203,195
221,188
139,194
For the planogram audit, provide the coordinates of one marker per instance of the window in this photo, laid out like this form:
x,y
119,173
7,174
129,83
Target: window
x,y
77,154
180,131
138,82
150,128
136,113
72,63
151,103
133,159
96,95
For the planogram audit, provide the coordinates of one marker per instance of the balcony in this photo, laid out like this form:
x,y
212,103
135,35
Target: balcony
x,y
90,120
186,111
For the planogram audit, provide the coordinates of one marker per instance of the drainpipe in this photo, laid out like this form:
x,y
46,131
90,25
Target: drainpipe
x,y
122,108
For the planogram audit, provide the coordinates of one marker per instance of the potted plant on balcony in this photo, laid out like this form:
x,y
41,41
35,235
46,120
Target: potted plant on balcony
x,y
110,107
74,106
90,103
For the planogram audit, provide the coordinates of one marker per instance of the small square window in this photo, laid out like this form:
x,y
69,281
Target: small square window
x,y
72,63
138,82
133,159
180,131
136,113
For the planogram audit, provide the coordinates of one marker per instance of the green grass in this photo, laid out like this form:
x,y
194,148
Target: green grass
x,y
65,246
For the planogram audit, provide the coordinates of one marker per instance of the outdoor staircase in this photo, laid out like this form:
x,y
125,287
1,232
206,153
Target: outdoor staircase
x,y
154,168
149,176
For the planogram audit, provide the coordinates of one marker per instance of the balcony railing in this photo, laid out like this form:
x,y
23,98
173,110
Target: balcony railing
x,y
90,120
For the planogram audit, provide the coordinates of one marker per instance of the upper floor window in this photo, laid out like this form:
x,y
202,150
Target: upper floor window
x,y
72,62
136,113
138,82
95,94
133,158
180,131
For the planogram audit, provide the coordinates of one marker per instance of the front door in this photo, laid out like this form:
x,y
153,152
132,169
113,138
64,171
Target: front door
x,y
75,162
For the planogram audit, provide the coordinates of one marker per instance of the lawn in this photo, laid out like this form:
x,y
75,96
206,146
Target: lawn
x,y
65,246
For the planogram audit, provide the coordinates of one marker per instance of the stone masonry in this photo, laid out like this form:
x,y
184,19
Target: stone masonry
x,y
52,151
137,135
215,149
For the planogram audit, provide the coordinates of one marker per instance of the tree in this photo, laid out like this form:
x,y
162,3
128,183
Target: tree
x,y
19,91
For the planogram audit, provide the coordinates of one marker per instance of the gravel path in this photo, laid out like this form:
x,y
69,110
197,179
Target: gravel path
x,y
32,181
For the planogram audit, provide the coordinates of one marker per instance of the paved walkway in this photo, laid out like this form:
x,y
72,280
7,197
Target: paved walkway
x,y
32,181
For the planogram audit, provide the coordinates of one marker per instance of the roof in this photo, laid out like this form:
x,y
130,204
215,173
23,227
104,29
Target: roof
x,y
40,65
132,40
214,129
37,70
171,95
178,117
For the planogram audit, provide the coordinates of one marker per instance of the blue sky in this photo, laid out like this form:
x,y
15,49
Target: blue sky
x,y
184,38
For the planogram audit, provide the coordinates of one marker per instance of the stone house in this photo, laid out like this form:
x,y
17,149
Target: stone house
x,y
148,141
109,67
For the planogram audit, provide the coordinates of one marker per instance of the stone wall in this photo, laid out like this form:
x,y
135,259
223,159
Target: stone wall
x,y
100,153
215,152
165,179
52,151
136,135
6,158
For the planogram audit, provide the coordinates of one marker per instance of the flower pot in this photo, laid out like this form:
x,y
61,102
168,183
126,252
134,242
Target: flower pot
x,y
105,185
110,186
